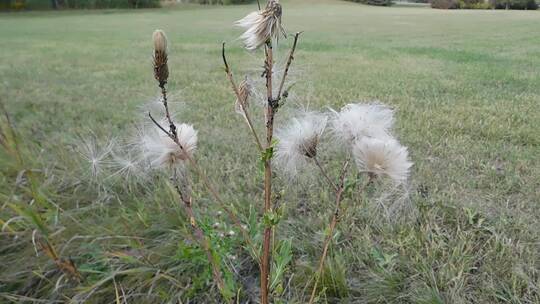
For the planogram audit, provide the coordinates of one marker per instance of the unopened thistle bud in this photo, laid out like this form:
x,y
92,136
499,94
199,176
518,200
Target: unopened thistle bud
x,y
161,70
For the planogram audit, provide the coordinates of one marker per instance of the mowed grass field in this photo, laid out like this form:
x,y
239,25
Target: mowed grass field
x,y
466,89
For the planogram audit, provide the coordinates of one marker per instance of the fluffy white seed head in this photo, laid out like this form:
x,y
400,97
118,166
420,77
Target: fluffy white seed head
x,y
382,157
162,151
297,142
356,121
261,26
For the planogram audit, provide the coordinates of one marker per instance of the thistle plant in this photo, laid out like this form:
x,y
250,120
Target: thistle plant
x,y
362,131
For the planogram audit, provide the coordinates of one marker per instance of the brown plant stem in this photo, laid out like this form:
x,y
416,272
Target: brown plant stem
x,y
325,174
198,233
331,227
270,110
172,126
289,61
240,99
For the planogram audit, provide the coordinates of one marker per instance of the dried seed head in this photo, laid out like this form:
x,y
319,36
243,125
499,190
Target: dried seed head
x,y
309,148
161,70
298,141
244,90
262,26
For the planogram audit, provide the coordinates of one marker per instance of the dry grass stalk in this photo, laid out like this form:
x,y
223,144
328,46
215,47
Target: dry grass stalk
x,y
67,266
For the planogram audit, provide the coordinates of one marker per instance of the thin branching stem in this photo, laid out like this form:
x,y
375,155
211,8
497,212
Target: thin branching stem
x,y
198,233
325,174
289,61
241,100
333,223
172,126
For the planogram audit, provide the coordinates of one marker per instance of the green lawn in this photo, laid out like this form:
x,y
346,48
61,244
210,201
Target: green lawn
x,y
466,88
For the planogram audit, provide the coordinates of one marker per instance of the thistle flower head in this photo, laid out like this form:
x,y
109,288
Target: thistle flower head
x,y
261,26
161,69
162,151
356,121
298,141
382,157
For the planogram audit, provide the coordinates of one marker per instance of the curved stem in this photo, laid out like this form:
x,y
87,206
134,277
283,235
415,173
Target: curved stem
x,y
199,234
241,100
325,174
331,228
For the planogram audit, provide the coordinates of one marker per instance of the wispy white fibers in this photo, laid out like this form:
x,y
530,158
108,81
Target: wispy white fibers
x,y
161,151
126,164
261,26
96,155
356,121
383,157
297,142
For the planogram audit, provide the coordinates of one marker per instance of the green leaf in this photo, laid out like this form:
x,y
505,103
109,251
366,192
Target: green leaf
x,y
281,262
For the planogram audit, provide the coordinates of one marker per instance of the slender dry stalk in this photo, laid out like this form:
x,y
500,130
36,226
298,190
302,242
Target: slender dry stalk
x,y
241,99
333,222
340,187
198,232
289,61
325,174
